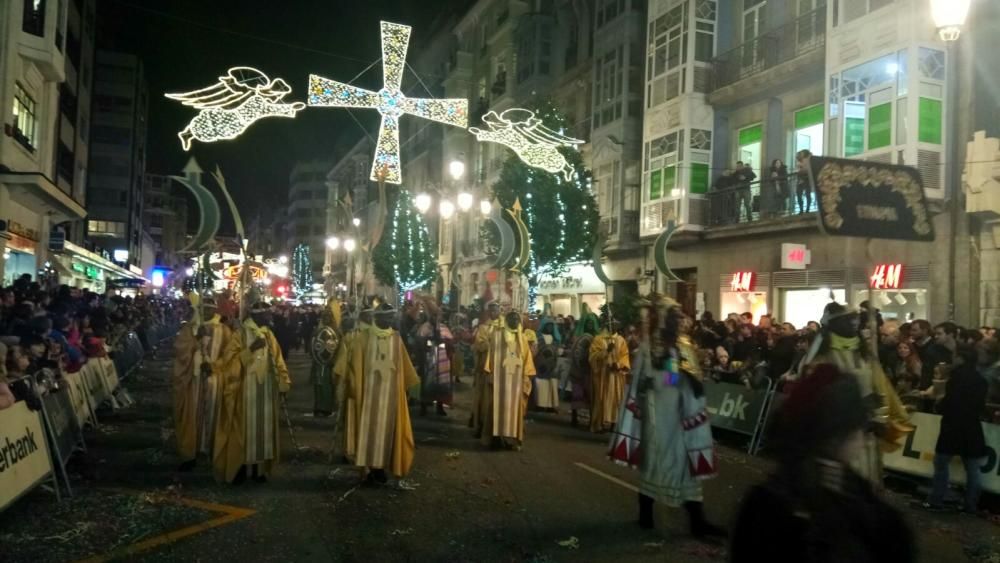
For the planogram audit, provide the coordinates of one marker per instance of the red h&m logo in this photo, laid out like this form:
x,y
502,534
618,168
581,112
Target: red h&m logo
x,y
742,281
887,276
797,255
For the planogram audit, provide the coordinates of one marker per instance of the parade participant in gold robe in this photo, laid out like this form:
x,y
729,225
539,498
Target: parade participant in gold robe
x,y
197,378
378,374
840,344
609,368
480,350
509,368
345,440
246,438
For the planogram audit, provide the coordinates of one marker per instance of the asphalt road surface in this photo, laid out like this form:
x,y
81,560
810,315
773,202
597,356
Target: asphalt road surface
x,y
557,500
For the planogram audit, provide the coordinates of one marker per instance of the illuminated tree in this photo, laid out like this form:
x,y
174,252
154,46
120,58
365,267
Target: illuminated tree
x,y
561,216
406,256
302,272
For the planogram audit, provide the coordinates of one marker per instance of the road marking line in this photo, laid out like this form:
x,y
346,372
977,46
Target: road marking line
x,y
611,478
230,514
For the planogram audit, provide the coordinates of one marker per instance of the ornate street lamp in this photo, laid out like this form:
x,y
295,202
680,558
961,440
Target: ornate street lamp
x,y
333,243
422,202
949,17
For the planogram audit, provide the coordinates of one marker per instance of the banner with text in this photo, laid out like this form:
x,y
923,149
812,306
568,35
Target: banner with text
x,y
916,457
24,454
734,407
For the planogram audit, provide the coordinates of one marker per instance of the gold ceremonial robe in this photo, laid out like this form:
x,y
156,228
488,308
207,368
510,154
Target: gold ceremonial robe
x,y
509,367
196,398
346,434
609,371
378,373
480,388
248,421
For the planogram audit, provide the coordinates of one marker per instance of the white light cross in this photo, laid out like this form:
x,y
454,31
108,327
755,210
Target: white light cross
x,y
389,101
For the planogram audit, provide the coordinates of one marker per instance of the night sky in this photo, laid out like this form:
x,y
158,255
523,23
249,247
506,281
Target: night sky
x,y
188,44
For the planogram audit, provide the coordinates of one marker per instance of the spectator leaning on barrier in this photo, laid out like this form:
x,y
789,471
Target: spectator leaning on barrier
x,y
961,432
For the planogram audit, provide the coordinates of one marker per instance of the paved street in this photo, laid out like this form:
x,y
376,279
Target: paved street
x,y
460,503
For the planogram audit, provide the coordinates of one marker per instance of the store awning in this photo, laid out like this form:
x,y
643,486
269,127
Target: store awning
x,y
110,269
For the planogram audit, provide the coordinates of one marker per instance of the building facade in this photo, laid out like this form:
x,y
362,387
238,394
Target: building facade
x,y
307,201
117,157
165,219
33,68
861,79
506,54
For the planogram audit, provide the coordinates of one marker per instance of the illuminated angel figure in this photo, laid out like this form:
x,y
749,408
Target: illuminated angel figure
x,y
535,144
239,99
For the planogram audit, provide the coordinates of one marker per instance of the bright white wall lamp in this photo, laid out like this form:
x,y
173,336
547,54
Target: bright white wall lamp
x,y
356,221
446,208
238,100
389,101
422,203
350,245
333,243
534,143
949,17
456,169
465,201
485,207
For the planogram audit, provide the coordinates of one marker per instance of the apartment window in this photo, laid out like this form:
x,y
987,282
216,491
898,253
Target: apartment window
x,y
65,163
662,156
851,10
608,10
704,31
667,53
33,21
808,134
608,87
25,118
106,228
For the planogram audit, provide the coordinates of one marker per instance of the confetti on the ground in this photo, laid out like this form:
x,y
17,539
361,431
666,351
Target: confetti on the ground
x,y
453,454
572,542
402,532
405,485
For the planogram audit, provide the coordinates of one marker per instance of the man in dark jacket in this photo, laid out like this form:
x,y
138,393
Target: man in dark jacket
x,y
961,432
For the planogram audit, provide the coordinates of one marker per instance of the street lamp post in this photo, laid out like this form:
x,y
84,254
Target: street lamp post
x,y
949,17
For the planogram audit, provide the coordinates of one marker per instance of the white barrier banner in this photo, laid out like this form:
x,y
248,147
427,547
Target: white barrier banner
x,y
916,457
24,452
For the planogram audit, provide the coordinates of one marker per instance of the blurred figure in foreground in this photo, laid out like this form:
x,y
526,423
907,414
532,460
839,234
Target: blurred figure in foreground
x,y
816,507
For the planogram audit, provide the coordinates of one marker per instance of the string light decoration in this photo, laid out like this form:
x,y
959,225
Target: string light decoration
x,y
302,272
405,258
236,102
389,101
561,215
535,144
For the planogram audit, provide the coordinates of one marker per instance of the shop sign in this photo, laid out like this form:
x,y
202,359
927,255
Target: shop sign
x,y
741,281
561,283
20,230
887,276
870,200
795,256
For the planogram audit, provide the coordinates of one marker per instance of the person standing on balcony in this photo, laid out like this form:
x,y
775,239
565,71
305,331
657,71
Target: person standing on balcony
x,y
778,186
803,189
744,177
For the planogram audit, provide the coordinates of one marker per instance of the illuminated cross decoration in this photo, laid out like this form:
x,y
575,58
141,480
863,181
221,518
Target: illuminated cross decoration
x,y
389,101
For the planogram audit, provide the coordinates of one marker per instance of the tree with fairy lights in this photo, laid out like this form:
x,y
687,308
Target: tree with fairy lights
x,y
561,216
405,258
302,273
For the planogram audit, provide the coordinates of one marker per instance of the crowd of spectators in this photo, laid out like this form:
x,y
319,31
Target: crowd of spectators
x,y
916,356
58,329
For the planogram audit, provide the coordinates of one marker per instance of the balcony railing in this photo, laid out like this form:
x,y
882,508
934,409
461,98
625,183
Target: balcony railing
x,y
759,201
805,34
